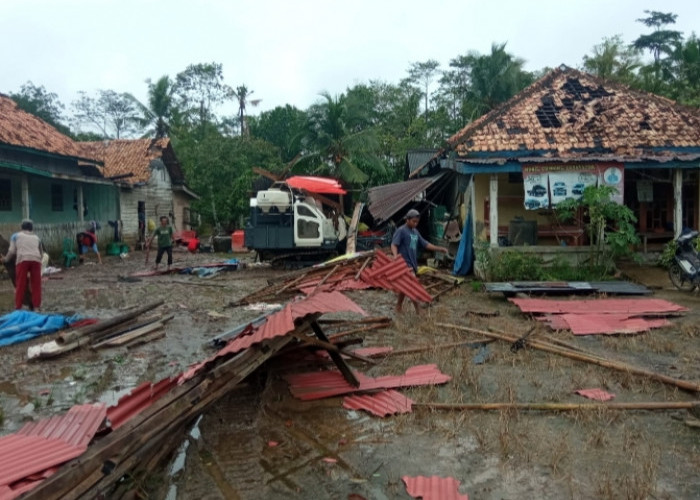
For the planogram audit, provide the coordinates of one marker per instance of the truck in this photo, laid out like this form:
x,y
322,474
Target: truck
x,y
293,226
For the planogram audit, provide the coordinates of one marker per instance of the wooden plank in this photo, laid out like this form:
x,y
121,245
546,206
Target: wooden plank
x,y
352,229
335,356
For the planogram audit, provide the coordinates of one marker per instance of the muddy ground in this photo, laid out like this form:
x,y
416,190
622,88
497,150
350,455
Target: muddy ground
x,y
325,451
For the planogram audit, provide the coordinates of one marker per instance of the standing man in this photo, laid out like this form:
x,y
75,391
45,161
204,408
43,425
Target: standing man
x,y
406,242
164,232
25,249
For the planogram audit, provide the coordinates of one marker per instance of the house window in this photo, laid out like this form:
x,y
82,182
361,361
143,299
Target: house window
x,y
5,195
56,198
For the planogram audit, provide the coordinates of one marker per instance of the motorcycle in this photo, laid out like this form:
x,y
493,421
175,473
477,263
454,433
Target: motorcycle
x,y
684,270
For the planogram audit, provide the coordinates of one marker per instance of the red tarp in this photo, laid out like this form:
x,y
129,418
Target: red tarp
x,y
319,185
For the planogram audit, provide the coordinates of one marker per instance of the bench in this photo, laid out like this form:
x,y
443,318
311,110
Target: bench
x,y
654,235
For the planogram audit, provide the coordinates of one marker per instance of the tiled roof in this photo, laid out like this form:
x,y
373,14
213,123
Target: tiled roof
x,y
19,128
568,115
132,156
382,403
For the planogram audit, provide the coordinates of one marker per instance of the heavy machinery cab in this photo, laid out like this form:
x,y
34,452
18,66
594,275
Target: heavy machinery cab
x,y
283,220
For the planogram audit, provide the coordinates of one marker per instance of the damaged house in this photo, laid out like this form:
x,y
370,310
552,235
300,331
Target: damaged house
x,y
151,183
45,176
567,131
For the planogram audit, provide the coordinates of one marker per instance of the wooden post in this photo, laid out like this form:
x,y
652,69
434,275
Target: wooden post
x,y
25,196
352,229
493,210
336,357
81,204
677,202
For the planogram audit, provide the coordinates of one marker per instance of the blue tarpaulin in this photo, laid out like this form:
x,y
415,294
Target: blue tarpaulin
x,y
465,253
19,326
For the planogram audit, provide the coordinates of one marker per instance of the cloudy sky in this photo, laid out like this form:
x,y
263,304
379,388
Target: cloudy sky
x,y
288,52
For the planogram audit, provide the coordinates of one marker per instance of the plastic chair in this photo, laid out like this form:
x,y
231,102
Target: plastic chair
x,y
68,254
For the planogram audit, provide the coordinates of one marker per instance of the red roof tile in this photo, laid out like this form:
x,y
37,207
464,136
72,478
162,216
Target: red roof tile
x,y
41,445
19,128
433,488
281,323
567,112
129,156
381,404
599,306
597,394
317,385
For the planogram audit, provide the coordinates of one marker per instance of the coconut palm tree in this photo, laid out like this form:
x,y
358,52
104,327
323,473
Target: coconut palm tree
x,y
158,115
241,93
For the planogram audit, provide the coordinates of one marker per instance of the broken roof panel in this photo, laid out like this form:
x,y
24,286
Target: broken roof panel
x,y
381,404
433,488
570,114
386,201
610,324
321,185
394,274
281,323
600,306
138,399
41,445
318,385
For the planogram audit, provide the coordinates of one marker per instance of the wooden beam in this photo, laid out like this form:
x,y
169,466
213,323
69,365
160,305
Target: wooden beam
x,y
493,210
336,357
677,202
352,229
266,173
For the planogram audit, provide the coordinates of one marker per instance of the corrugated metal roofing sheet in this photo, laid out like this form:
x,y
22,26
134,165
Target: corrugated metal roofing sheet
x,y
600,306
381,404
317,385
385,201
417,158
610,324
597,394
433,488
138,399
41,445
394,274
281,323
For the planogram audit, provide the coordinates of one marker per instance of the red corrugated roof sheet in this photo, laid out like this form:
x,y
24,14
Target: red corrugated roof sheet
x,y
321,185
609,324
381,404
317,385
433,488
42,445
394,274
139,398
281,323
597,394
599,306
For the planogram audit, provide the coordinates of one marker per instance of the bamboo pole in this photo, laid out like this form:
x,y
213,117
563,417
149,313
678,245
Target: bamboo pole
x,y
663,405
588,358
375,326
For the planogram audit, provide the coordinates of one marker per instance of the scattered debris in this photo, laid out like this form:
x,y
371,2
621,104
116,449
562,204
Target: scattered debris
x,y
654,405
19,326
597,394
433,488
382,403
611,287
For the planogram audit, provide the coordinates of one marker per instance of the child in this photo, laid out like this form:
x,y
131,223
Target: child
x,y
164,233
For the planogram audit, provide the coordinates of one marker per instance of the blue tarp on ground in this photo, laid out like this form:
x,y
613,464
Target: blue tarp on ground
x,y
19,326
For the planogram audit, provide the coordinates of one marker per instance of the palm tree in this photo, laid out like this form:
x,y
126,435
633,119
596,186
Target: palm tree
x,y
241,93
613,60
158,115
339,142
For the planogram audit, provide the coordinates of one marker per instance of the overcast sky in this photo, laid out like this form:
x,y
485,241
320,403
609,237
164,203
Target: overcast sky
x,y
288,51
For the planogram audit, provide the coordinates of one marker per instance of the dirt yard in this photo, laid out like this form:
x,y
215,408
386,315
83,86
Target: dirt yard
x,y
260,442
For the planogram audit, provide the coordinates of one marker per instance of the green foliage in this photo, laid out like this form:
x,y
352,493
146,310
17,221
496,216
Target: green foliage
x,y
112,114
42,103
282,127
610,225
667,254
513,265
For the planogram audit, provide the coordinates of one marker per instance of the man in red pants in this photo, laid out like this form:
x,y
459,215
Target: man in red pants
x,y
25,248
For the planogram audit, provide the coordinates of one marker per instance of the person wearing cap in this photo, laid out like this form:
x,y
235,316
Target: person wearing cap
x,y
406,242
25,249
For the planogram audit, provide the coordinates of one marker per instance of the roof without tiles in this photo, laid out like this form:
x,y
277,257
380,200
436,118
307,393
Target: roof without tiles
x,y
22,129
568,114
133,157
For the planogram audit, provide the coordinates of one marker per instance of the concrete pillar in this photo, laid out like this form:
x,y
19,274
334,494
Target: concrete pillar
x,y
493,210
677,201
81,204
25,196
